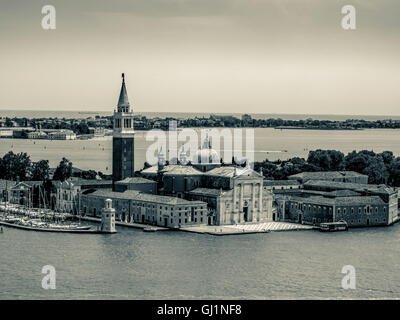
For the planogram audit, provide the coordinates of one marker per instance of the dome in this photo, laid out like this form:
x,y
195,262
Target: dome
x,y
206,156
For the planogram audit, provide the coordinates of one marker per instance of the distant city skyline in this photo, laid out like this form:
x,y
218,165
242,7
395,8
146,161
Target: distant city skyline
x,y
220,56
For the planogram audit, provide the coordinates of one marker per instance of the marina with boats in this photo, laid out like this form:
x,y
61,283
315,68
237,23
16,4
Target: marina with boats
x,y
35,219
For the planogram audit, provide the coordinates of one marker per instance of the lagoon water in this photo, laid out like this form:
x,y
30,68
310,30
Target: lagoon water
x,y
133,264
178,265
268,143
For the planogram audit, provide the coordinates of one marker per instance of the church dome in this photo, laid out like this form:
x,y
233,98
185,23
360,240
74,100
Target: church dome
x,y
206,155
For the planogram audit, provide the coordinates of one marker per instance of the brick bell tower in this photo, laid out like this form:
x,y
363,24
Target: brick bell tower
x,y
123,162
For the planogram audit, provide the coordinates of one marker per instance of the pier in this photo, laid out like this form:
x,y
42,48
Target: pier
x,y
266,227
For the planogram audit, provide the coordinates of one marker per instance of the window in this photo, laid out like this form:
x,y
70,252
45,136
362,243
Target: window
x,y
352,210
338,210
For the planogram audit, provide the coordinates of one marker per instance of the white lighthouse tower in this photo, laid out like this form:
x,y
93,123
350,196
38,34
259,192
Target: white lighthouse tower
x,y
108,218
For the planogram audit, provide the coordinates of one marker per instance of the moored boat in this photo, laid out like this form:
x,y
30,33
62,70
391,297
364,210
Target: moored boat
x,y
333,226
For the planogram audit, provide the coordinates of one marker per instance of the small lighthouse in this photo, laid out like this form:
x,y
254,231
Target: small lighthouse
x,y
108,218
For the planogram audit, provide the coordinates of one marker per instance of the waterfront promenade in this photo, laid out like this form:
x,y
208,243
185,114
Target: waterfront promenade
x,y
247,228
219,230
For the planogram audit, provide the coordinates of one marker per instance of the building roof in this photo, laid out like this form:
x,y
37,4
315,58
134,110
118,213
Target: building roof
x,y
181,170
281,182
230,171
135,180
207,192
326,175
139,196
340,201
358,187
173,169
27,183
75,181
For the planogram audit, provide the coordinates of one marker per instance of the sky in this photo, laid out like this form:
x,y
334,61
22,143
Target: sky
x,y
222,56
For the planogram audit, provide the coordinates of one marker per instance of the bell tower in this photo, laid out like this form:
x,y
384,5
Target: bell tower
x,y
123,162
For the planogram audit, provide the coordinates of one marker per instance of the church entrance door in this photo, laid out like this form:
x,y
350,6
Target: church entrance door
x,y
246,214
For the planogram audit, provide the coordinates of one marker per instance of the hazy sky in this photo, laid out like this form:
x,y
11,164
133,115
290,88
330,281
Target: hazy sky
x,y
258,56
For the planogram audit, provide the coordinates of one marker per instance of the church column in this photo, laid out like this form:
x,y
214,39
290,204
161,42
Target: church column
x,y
253,202
260,203
234,211
241,200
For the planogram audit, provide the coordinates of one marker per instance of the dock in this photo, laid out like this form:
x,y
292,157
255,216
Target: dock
x,y
124,224
273,226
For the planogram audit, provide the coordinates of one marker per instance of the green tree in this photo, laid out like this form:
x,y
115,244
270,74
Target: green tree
x,y
326,160
16,166
40,170
394,177
63,171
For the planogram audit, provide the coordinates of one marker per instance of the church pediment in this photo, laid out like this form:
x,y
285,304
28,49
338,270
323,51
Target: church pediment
x,y
246,173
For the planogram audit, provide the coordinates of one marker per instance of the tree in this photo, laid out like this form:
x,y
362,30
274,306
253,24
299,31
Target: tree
x,y
16,166
394,177
40,170
376,171
326,160
63,171
358,161
369,163
89,174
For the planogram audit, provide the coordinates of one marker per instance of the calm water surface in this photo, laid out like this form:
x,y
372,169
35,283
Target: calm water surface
x,y
269,143
178,265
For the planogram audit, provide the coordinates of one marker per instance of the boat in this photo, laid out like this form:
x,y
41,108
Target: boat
x,y
149,229
333,226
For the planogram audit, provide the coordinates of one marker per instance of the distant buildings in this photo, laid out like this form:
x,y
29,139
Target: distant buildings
x,y
32,133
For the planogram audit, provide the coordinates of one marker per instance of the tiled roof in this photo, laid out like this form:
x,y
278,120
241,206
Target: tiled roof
x,y
340,201
230,171
74,181
182,170
359,187
139,196
135,180
207,192
280,182
322,175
